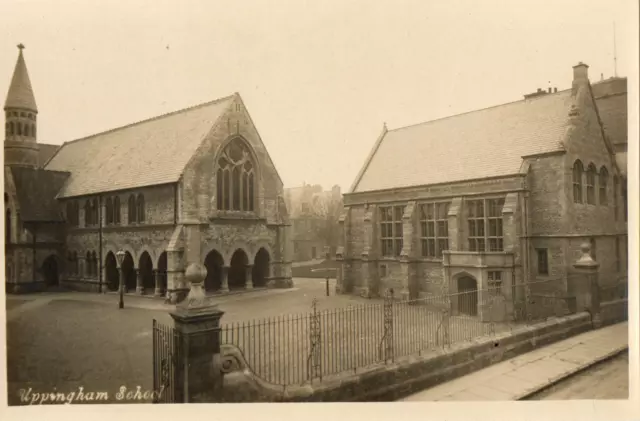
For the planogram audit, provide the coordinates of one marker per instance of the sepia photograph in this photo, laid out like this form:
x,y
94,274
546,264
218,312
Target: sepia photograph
x,y
319,202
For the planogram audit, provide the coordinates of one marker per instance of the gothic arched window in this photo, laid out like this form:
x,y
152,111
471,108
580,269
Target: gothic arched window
x,y
591,184
132,209
577,181
116,210
109,211
236,178
140,208
19,129
602,185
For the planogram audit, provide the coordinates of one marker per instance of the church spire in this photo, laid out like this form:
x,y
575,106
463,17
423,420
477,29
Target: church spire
x,y
21,119
20,93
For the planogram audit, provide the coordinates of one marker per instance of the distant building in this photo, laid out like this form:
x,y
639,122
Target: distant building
x,y
314,214
193,186
493,197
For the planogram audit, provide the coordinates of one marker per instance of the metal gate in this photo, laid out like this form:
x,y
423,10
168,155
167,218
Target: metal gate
x,y
166,356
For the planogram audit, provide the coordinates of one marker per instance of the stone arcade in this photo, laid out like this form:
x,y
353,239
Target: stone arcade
x,y
493,197
193,186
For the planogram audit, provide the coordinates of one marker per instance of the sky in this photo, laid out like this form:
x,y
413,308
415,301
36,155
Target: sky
x,y
319,78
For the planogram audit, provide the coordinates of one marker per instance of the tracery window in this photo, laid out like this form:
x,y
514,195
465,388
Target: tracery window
x,y
235,178
591,184
577,181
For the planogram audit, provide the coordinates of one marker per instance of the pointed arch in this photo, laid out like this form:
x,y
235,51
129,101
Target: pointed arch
x,y
578,169
236,176
603,180
591,184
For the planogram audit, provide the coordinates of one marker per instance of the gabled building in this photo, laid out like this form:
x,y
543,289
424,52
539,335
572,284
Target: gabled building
x,y
493,197
193,186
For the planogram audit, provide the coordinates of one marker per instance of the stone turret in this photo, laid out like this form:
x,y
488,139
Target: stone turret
x,y
20,142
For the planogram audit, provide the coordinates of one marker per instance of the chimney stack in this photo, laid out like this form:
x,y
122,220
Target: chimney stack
x,y
580,72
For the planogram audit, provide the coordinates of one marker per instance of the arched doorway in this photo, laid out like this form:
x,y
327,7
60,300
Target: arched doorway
x,y
162,271
238,270
145,266
261,268
128,273
50,271
213,262
111,272
467,295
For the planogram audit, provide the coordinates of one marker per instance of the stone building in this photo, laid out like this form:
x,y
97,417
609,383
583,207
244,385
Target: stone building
x,y
196,185
313,214
492,198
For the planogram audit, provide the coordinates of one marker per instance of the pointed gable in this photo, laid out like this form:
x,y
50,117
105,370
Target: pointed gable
x,y
147,153
20,93
486,143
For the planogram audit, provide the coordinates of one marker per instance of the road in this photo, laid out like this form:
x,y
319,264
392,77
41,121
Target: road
x,y
607,380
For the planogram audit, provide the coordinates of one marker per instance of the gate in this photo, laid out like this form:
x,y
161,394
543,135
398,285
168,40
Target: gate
x,y
166,356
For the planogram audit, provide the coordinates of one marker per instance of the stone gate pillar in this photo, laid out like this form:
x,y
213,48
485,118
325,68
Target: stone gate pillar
x,y
197,322
586,288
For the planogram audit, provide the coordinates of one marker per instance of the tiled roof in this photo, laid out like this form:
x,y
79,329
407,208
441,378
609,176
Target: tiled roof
x,y
36,191
20,93
45,152
147,153
484,143
611,98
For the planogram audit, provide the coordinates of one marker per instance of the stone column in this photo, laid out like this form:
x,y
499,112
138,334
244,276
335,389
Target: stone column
x,y
341,276
197,324
586,287
139,286
157,275
224,279
249,277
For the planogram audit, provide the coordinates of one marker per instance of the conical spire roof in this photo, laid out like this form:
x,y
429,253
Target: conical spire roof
x,y
20,92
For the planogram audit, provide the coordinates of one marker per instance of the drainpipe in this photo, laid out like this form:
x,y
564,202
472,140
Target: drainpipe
x,y
100,242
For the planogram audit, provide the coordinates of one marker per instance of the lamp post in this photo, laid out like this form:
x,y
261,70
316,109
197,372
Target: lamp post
x,y
120,258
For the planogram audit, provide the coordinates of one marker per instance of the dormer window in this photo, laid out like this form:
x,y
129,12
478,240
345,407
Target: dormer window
x,y
236,178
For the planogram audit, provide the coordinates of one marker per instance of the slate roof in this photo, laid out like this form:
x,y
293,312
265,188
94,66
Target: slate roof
x,y
146,153
611,98
45,152
20,93
36,191
484,143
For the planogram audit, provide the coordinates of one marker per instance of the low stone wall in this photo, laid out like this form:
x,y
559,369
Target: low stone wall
x,y
407,375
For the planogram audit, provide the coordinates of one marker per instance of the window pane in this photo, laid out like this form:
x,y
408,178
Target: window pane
x,y
442,229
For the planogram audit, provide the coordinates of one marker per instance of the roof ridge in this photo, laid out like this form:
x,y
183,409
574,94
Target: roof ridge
x,y
126,126
479,109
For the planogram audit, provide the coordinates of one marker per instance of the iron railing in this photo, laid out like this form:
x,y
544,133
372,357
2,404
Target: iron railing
x,y
297,349
167,344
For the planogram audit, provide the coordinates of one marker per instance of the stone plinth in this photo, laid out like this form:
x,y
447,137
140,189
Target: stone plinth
x,y
197,320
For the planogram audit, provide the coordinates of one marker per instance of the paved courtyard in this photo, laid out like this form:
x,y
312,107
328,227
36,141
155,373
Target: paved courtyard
x,y
61,341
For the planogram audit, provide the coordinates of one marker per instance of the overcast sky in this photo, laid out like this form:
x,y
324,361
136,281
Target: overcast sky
x,y
319,78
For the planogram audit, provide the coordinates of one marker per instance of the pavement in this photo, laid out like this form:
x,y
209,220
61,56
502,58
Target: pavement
x,y
523,376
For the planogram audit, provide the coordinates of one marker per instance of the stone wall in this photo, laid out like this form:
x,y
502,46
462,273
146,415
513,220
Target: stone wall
x,y
407,375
